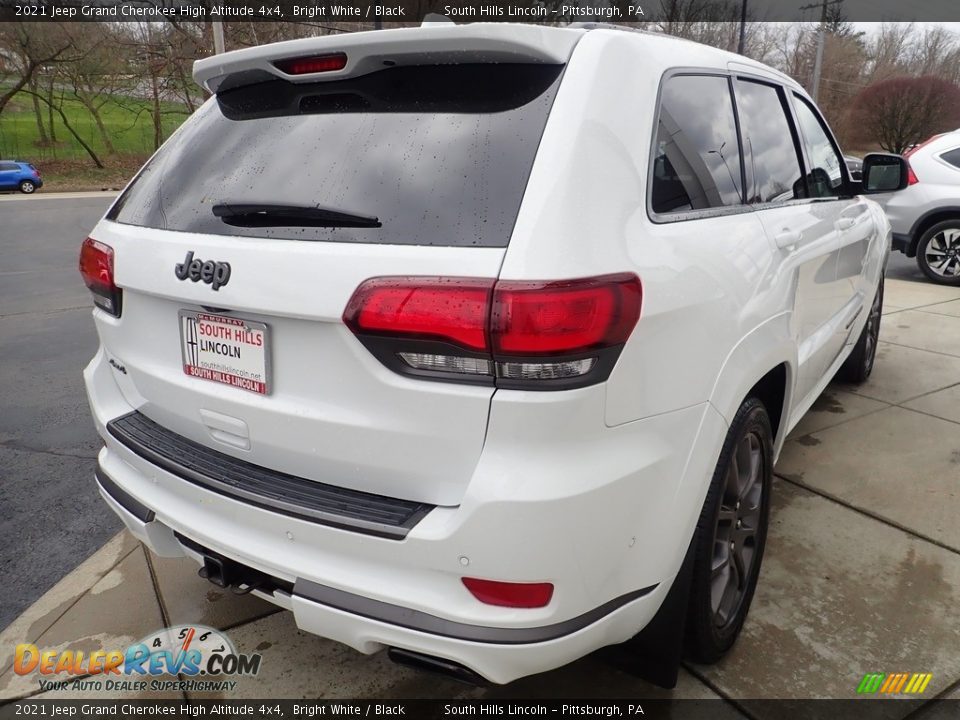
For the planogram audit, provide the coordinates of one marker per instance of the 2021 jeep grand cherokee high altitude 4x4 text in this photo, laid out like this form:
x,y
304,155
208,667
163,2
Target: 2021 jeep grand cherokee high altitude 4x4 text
x,y
452,341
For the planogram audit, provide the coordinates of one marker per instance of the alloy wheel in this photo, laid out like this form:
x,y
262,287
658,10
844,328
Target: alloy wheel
x,y
736,533
27,187
942,253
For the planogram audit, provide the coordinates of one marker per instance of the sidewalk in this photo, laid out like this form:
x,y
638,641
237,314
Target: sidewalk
x,y
861,574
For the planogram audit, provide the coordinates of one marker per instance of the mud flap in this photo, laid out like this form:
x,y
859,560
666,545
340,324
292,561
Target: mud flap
x,y
655,652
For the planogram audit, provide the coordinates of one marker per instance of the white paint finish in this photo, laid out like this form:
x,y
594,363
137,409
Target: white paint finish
x,y
335,413
367,51
574,514
601,486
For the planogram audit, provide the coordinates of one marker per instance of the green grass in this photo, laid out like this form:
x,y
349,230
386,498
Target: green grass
x,y
127,120
65,165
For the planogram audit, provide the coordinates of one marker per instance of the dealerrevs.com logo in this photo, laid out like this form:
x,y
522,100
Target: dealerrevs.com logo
x,y
187,650
894,683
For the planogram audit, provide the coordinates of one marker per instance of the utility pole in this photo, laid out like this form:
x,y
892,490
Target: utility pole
x,y
821,36
743,27
218,45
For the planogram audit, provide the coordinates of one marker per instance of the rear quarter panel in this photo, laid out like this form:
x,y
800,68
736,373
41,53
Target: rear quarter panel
x,y
707,283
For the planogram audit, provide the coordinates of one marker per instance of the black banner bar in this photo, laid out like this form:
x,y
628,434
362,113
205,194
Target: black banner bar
x,y
536,11
484,709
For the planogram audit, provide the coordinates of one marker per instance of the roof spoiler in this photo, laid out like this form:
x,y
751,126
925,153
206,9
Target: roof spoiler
x,y
366,52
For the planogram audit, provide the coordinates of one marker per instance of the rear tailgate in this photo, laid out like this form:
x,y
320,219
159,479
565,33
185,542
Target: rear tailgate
x,y
334,412
439,155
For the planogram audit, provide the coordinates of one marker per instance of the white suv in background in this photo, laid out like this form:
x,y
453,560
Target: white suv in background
x,y
926,216
479,342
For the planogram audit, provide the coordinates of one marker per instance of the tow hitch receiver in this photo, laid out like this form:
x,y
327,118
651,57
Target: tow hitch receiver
x,y
226,573
217,570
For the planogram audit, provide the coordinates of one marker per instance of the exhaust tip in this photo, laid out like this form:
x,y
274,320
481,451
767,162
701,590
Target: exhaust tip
x,y
436,665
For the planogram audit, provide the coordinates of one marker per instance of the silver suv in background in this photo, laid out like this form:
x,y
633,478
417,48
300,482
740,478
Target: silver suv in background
x,y
926,215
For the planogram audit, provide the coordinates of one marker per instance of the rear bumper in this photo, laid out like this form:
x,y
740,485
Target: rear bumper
x,y
498,654
607,521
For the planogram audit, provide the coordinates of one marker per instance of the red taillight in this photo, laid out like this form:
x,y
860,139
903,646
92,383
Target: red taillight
x,y
510,594
96,267
566,332
451,310
309,65
912,178
564,317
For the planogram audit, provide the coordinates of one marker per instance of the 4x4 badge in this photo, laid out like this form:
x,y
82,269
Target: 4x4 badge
x,y
215,274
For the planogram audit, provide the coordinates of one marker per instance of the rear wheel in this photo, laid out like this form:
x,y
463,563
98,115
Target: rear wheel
x,y
938,252
731,535
858,366
27,187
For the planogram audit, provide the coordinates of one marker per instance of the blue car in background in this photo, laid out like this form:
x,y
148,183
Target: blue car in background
x,y
18,175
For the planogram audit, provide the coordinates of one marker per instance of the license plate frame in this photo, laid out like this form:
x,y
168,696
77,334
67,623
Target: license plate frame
x,y
257,380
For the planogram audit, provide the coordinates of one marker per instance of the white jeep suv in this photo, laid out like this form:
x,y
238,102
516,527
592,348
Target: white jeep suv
x,y
479,342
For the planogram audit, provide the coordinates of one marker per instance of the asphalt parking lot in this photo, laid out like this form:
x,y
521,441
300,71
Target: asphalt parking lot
x,y
861,574
51,516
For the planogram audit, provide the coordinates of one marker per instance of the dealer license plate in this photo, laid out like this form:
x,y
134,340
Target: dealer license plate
x,y
225,349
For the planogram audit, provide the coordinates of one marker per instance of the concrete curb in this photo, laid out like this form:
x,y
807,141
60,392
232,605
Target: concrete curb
x,y
40,195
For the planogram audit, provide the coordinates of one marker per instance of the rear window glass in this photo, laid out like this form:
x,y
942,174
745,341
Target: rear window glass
x,y
952,157
438,155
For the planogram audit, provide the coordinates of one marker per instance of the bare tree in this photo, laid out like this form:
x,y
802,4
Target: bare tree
x,y
72,130
41,130
93,76
28,47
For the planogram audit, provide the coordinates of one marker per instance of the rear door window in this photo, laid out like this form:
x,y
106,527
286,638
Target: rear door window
x,y
771,159
696,163
438,155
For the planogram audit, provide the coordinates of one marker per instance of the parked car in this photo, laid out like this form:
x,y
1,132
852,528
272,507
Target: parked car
x,y
926,216
452,342
19,175
855,167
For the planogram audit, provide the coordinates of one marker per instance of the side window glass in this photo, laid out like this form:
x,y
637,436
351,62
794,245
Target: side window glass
x,y
770,156
7,166
952,157
825,178
696,161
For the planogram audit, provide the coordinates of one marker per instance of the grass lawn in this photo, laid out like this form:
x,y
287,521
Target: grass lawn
x,y
65,165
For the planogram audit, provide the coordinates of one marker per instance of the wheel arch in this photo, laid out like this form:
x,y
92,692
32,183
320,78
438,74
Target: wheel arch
x,y
771,390
762,365
927,221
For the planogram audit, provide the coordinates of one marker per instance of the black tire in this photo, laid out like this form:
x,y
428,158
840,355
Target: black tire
x,y
27,187
941,241
858,366
729,542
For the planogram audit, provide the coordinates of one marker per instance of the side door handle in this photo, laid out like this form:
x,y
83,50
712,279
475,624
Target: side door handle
x,y
845,223
786,239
